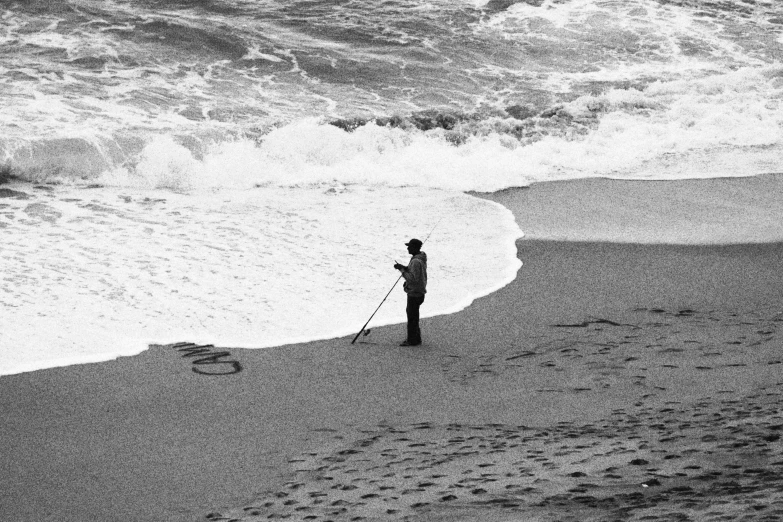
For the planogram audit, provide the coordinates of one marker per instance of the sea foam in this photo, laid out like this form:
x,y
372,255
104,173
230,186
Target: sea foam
x,y
93,274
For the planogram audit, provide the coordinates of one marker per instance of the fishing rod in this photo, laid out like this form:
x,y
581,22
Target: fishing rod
x,y
392,288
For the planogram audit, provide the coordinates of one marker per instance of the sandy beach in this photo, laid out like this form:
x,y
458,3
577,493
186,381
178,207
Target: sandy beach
x,y
632,371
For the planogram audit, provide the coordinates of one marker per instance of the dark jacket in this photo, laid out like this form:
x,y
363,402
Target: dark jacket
x,y
415,275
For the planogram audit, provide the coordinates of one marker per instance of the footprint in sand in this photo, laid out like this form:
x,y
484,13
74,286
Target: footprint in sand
x,y
669,462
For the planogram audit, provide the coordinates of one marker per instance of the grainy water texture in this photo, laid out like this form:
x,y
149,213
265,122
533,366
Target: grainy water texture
x,y
245,172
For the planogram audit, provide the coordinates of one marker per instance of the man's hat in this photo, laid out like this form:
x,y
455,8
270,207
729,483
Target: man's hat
x,y
414,243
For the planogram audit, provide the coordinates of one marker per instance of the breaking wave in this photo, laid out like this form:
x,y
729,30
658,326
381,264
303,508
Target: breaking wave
x,y
717,125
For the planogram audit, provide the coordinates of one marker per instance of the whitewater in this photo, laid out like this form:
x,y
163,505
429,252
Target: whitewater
x,y
246,173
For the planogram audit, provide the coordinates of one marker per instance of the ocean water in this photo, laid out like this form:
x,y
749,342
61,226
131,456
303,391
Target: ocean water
x,y
244,172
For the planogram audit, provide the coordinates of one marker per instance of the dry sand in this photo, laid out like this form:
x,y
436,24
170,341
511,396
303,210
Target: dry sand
x,y
609,381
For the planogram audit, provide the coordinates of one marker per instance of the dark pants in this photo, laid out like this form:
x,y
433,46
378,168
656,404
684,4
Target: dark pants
x,y
414,333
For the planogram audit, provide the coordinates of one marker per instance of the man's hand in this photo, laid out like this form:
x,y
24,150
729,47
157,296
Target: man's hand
x,y
398,266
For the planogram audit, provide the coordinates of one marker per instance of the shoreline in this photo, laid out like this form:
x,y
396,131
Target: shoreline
x,y
162,442
242,286
619,203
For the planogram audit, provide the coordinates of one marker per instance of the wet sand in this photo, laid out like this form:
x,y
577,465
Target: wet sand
x,y
609,381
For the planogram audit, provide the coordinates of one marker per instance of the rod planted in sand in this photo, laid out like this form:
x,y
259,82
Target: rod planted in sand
x,y
392,288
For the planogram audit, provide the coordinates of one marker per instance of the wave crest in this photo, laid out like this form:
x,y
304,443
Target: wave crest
x,y
653,132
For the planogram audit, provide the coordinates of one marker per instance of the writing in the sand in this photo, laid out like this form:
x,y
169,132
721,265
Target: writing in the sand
x,y
215,362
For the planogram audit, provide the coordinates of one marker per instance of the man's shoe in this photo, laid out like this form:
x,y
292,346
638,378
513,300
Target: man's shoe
x,y
408,343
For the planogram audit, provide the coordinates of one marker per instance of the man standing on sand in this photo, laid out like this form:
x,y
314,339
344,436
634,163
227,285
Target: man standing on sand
x,y
415,286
